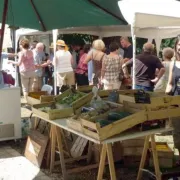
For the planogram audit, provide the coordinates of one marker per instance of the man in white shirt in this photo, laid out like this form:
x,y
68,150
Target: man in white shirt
x,y
39,58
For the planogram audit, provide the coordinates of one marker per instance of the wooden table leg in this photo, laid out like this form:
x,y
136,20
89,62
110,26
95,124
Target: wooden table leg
x,y
60,148
89,152
49,149
143,158
53,147
65,143
35,122
111,161
102,163
155,158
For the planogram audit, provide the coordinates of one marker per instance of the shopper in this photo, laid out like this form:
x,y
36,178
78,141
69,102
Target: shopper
x,y
111,72
146,65
26,67
39,58
173,88
167,53
127,55
96,54
63,61
82,68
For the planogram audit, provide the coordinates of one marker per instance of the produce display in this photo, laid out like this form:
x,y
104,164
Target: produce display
x,y
70,98
47,108
104,113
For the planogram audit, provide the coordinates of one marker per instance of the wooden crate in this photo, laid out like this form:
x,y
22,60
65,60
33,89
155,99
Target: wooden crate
x,y
85,100
76,104
85,89
100,133
74,124
34,97
165,155
162,112
131,143
157,98
52,114
157,112
58,113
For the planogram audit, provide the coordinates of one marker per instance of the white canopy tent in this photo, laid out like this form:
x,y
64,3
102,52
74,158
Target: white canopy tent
x,y
159,15
157,33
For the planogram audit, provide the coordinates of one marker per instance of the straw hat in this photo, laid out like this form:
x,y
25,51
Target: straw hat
x,y
62,43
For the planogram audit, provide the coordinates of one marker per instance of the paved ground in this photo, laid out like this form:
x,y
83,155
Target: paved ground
x,y
13,166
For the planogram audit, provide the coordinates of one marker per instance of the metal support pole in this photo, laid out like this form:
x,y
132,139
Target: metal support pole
x,y
134,56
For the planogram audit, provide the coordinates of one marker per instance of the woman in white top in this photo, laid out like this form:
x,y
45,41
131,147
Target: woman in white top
x,y
63,61
167,53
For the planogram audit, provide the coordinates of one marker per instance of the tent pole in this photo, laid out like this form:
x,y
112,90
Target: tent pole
x,y
38,16
134,56
55,33
5,10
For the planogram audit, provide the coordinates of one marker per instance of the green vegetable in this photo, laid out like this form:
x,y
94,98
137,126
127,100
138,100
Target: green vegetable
x,y
115,116
103,122
71,98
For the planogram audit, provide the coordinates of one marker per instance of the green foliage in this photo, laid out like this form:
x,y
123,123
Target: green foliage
x,y
77,39
168,43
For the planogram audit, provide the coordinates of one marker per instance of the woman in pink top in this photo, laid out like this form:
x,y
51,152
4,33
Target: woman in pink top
x,y
82,68
26,67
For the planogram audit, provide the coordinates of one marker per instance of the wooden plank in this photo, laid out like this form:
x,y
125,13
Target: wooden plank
x,y
47,98
53,147
82,168
89,124
143,158
69,160
52,114
122,125
35,147
60,148
102,163
74,124
111,161
32,101
89,152
155,158
78,147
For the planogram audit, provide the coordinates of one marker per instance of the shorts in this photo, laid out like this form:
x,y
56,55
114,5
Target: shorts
x,y
66,78
112,86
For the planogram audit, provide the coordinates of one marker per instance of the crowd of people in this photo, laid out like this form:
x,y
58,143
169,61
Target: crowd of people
x,y
94,66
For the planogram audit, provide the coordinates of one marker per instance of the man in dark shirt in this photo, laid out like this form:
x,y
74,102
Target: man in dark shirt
x,y
128,54
146,65
127,47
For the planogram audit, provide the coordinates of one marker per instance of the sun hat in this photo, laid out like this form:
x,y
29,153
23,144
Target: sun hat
x,y
62,43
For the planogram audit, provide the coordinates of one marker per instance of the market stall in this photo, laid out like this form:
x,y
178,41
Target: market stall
x,y
119,128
